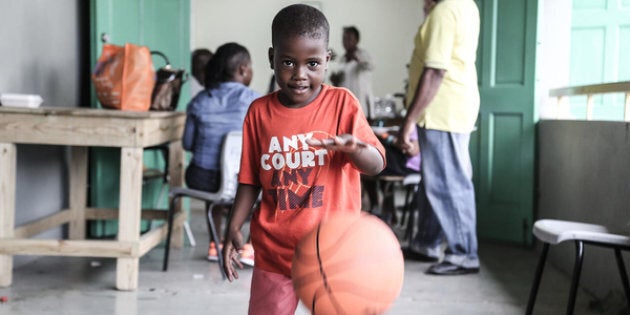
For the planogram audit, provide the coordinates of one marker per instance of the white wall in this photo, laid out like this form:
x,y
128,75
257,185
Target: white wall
x,y
40,50
41,55
387,30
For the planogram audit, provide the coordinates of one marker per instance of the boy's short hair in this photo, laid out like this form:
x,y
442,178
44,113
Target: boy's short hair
x,y
299,20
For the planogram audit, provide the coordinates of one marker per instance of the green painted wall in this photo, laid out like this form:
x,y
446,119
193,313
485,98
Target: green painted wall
x,y
162,25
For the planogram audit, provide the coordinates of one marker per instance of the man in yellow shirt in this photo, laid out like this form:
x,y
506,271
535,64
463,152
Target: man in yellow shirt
x,y
443,103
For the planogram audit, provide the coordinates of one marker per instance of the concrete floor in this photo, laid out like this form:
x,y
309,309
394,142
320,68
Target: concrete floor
x,y
192,285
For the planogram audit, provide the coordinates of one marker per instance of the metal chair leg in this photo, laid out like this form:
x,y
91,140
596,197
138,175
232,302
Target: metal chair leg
x,y
189,234
623,274
539,271
405,213
577,269
388,190
409,223
413,210
171,216
215,237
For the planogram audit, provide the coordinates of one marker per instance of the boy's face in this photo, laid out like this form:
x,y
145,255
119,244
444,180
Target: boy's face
x,y
299,64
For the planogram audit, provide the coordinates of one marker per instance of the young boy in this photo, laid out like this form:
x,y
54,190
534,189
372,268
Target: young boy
x,y
304,147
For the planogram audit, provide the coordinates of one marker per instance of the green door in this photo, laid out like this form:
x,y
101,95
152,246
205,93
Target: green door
x,y
600,41
502,147
162,25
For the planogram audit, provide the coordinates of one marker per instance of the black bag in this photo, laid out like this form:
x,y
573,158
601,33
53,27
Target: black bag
x,y
168,85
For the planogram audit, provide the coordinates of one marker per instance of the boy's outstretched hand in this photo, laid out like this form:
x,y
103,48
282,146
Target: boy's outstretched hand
x,y
233,244
364,156
344,143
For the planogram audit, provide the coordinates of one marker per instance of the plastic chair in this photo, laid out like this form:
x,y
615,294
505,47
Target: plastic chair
x,y
556,231
230,166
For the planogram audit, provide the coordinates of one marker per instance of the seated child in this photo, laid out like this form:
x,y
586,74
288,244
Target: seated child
x,y
214,112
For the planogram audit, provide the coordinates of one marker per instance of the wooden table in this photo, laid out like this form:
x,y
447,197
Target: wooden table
x,y
81,128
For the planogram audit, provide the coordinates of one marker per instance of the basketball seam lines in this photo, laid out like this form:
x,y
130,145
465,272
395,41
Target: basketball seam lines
x,y
321,268
328,290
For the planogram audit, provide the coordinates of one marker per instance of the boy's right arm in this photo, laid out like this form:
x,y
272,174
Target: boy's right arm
x,y
246,196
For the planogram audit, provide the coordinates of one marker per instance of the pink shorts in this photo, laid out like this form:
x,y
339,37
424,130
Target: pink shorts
x,y
271,293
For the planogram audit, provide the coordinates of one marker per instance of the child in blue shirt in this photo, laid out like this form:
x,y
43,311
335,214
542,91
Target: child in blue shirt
x,y
214,112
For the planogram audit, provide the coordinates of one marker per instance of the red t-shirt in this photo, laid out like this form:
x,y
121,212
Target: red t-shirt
x,y
301,184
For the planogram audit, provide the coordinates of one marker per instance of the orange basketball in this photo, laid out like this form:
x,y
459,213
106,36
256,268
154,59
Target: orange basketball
x,y
350,264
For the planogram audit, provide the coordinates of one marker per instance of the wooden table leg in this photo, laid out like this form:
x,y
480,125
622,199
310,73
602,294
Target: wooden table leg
x,y
78,191
7,206
129,218
176,179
